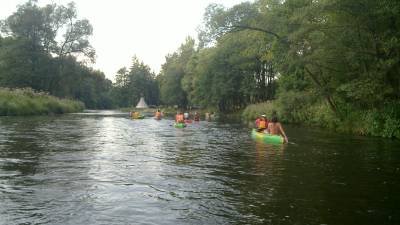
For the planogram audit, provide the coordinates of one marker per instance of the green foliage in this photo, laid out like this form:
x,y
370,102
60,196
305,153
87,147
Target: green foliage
x,y
253,111
20,102
40,48
384,122
330,63
133,83
226,76
325,63
42,27
175,80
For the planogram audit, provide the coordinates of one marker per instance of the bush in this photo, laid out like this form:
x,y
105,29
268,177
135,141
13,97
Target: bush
x,y
18,102
383,122
251,112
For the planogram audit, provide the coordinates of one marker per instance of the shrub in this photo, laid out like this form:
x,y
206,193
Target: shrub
x,y
251,112
15,102
384,121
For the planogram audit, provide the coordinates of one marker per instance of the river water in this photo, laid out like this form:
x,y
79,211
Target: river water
x,y
103,168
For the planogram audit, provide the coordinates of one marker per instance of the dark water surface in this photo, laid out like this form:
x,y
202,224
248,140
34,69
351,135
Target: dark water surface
x,y
102,168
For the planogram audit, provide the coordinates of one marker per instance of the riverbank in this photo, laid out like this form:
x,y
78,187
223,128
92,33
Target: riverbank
x,y
21,102
383,122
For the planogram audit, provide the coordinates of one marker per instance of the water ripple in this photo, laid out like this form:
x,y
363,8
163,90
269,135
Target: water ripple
x,y
103,168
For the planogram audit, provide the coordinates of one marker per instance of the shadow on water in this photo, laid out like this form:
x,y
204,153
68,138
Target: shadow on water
x,y
101,167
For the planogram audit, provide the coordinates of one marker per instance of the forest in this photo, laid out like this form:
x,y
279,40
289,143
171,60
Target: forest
x,y
329,63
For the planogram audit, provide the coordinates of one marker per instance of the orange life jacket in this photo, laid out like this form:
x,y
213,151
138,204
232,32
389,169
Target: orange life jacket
x,y
262,124
158,114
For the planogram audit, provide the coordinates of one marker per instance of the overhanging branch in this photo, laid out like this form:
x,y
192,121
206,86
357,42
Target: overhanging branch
x,y
241,27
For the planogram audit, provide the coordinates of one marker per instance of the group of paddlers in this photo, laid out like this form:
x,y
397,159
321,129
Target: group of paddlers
x,y
179,117
187,117
271,126
263,125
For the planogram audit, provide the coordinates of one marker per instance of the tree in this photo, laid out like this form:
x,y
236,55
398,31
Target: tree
x,y
172,76
131,84
32,56
42,25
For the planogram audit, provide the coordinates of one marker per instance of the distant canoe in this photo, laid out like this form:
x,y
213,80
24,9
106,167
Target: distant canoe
x,y
138,117
179,125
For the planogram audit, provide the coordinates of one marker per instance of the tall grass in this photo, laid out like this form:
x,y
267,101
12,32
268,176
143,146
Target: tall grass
x,y
18,102
251,112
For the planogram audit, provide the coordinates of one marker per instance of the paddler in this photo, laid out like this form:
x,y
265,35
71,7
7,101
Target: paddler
x,y
186,116
275,128
158,114
135,115
179,118
262,123
196,116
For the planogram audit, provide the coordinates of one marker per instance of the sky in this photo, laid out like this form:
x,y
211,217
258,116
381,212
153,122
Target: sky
x,y
149,29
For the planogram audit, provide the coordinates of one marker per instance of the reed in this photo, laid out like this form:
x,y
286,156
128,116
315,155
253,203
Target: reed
x,y
26,101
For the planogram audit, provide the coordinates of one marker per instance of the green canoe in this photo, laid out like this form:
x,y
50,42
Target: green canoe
x,y
266,138
180,125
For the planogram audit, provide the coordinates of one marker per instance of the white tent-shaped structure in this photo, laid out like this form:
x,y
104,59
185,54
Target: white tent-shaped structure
x,y
141,104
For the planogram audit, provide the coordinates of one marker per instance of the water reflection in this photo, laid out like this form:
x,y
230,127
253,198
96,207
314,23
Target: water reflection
x,y
103,168
266,155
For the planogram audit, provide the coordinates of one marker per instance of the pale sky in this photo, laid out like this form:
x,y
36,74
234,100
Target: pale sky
x,y
149,29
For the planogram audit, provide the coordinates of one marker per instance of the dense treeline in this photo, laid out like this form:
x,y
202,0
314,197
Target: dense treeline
x,y
131,84
39,48
234,72
333,63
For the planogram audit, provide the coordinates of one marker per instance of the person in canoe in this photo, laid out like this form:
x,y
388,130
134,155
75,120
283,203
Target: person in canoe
x,y
208,116
196,116
275,128
158,115
179,118
262,123
213,116
135,115
186,115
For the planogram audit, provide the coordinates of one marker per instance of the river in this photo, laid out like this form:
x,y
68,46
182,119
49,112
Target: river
x,y
103,168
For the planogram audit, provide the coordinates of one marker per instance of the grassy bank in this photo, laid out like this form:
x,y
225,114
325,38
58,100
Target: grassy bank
x,y
18,102
382,122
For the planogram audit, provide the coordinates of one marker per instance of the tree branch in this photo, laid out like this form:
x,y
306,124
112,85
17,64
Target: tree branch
x,y
241,27
325,94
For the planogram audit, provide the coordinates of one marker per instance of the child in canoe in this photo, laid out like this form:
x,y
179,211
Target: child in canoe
x,y
262,123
